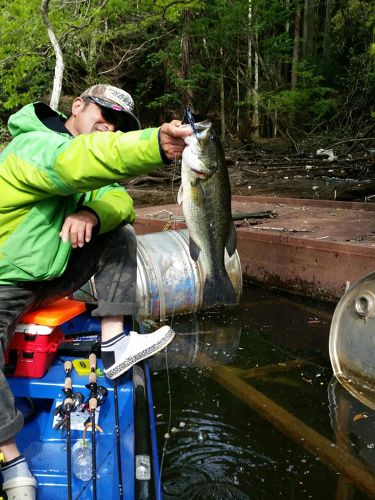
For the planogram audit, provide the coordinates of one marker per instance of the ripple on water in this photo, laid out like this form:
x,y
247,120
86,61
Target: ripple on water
x,y
201,454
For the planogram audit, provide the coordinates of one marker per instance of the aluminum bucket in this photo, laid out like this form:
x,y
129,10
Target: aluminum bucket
x,y
352,340
169,282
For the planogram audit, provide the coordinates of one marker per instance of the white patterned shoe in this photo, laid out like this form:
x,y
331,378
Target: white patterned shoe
x,y
137,347
21,488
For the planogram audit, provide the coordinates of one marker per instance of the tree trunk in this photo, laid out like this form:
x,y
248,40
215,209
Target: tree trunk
x,y
255,117
222,96
92,57
327,29
187,97
249,67
309,28
59,66
296,45
287,22
238,92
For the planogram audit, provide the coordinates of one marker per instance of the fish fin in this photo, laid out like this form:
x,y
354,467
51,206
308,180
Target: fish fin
x,y
218,290
180,195
194,249
232,240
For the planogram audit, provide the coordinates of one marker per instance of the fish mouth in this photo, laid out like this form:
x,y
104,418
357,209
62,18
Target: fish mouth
x,y
200,173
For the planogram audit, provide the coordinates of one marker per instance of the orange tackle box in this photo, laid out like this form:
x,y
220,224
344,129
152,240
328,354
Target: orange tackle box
x,y
37,338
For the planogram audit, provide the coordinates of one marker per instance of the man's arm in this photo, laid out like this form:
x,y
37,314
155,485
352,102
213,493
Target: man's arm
x,y
101,158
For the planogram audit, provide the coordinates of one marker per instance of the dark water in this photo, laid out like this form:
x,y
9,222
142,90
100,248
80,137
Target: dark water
x,y
213,445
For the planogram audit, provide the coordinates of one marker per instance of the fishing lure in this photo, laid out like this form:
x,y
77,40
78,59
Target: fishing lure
x,y
189,119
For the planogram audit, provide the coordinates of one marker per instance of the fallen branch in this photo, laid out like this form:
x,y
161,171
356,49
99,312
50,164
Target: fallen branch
x,y
146,179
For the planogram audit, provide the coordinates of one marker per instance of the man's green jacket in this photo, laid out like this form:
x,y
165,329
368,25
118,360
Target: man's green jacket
x,y
45,176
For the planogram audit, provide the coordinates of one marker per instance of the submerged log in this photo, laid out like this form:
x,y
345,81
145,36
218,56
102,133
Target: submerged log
x,y
332,454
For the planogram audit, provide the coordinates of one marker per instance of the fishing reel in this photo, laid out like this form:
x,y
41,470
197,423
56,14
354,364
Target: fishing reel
x,y
75,403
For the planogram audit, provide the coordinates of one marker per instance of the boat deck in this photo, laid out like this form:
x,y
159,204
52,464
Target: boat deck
x,y
46,448
312,247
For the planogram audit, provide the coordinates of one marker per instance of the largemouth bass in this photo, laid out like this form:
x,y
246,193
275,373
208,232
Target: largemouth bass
x,y
205,195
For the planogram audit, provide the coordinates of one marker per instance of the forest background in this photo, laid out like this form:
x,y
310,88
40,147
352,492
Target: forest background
x,y
298,70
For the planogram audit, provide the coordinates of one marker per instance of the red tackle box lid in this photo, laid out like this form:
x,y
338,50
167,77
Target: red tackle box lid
x,y
56,313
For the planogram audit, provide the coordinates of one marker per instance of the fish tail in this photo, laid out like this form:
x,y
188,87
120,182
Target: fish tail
x,y
218,290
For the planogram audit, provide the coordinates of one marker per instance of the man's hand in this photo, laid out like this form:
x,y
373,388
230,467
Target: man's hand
x,y
77,228
172,138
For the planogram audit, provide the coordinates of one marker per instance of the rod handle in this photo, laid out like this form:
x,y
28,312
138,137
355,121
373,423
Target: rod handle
x,y
92,361
92,378
93,403
68,383
68,366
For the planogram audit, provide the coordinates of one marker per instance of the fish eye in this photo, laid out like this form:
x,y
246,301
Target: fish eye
x,y
213,138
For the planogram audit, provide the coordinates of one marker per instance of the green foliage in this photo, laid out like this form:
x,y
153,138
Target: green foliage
x,y
4,136
22,62
165,101
139,45
310,105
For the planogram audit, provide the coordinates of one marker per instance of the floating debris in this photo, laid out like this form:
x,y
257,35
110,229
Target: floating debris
x,y
360,416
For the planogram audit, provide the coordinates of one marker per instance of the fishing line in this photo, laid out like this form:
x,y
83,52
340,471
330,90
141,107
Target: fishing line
x,y
175,165
87,293
105,458
67,408
124,430
118,443
93,403
169,416
169,400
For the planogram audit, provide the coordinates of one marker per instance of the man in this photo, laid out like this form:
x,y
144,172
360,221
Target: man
x,y
64,218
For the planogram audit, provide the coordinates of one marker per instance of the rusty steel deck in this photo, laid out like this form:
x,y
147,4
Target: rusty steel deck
x,y
312,247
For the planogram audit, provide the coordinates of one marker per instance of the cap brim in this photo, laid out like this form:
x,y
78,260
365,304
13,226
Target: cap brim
x,y
128,121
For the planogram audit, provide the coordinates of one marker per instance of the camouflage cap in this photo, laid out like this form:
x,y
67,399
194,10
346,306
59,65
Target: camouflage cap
x,y
115,99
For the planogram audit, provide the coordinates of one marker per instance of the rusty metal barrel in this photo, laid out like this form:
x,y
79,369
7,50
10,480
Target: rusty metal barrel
x,y
169,282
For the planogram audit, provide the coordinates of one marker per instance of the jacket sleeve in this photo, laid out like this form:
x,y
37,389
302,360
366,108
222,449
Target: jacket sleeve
x,y
91,161
113,206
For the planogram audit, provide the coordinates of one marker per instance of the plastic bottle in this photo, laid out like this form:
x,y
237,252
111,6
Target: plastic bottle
x,y
82,460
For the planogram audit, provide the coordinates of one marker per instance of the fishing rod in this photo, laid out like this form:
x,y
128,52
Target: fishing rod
x,y
101,396
118,442
67,408
92,404
102,393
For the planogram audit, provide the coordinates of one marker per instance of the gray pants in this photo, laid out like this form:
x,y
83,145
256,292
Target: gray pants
x,y
111,257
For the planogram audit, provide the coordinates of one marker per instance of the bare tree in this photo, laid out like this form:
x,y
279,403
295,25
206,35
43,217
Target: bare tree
x,y
255,117
222,95
309,27
59,66
328,28
186,48
296,44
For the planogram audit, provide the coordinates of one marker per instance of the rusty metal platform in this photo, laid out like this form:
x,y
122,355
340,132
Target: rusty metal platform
x,y
312,247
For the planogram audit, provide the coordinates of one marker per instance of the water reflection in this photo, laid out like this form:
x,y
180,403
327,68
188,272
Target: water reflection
x,y
213,445
205,454
213,335
353,423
